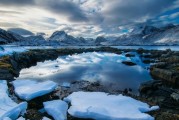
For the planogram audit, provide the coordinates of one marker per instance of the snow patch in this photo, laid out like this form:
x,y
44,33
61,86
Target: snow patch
x,y
8,108
57,109
28,89
99,105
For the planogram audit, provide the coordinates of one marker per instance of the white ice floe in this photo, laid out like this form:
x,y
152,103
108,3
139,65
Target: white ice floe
x,y
57,109
28,89
101,106
8,108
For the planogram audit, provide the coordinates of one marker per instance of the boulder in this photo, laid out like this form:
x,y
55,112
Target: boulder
x,y
149,85
169,76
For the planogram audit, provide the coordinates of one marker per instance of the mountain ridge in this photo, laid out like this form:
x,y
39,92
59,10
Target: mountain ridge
x,y
146,35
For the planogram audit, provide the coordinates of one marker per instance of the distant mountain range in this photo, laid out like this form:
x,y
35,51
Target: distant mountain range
x,y
141,35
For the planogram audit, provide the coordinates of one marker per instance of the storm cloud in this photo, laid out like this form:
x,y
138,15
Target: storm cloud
x,y
125,11
16,2
69,9
87,18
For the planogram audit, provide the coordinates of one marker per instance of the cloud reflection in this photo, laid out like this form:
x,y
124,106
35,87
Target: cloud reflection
x,y
103,67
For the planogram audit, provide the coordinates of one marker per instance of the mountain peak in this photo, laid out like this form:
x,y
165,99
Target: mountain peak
x,y
59,33
149,29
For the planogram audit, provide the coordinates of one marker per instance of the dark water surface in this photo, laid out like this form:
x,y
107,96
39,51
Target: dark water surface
x,y
105,68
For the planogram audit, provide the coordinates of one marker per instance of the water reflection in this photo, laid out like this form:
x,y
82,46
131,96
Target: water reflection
x,y
103,67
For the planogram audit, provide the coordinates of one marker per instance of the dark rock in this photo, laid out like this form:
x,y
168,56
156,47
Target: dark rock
x,y
33,114
171,59
37,103
129,63
168,76
140,50
160,115
150,85
147,61
129,55
6,74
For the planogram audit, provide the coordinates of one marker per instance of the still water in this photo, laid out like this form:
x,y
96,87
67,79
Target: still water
x,y
105,68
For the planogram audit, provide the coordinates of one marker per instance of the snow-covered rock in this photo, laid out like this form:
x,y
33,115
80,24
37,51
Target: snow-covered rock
x,y
28,89
57,109
101,106
8,108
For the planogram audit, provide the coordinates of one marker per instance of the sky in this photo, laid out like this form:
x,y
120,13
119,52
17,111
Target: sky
x,y
87,18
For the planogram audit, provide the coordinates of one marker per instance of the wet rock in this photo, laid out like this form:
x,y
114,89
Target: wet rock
x,y
168,76
129,63
147,61
159,65
94,87
129,55
140,50
171,59
165,116
33,114
6,74
37,103
150,85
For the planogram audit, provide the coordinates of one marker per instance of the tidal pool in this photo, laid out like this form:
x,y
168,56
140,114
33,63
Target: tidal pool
x,y
105,68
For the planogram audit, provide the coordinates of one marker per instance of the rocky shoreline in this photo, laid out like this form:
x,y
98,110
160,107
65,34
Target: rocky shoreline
x,y
162,91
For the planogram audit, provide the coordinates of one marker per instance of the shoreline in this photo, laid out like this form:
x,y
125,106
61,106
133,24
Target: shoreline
x,y
10,67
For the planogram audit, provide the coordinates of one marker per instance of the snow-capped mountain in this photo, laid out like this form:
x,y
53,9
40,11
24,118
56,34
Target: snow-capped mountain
x,y
8,37
141,35
63,38
25,37
169,36
147,35
35,40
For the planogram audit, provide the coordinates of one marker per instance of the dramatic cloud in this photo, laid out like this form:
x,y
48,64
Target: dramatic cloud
x,y
66,8
124,11
16,2
87,18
